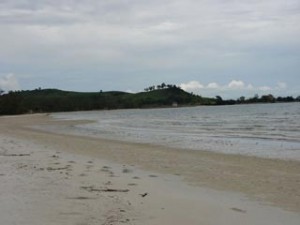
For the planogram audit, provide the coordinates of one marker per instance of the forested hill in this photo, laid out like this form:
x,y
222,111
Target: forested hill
x,y
53,100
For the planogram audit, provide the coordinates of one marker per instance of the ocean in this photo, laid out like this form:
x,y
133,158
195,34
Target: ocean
x,y
262,130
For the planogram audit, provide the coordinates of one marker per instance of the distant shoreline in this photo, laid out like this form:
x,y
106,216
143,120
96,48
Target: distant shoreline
x,y
54,100
156,107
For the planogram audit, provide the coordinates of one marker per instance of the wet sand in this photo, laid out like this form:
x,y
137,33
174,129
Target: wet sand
x,y
50,178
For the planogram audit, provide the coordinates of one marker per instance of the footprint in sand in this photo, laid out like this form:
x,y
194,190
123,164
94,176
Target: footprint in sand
x,y
106,167
89,166
125,170
108,183
151,175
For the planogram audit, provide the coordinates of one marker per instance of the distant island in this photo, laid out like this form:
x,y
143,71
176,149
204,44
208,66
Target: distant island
x,y
163,95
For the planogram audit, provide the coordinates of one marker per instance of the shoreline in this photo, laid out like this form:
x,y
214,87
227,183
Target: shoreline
x,y
270,182
202,129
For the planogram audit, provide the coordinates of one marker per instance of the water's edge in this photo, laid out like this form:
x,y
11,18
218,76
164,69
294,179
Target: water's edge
x,y
268,131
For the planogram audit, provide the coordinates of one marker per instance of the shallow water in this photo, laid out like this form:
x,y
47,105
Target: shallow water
x,y
263,130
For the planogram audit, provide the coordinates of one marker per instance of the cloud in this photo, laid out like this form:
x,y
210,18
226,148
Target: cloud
x,y
213,85
234,87
265,88
281,85
239,85
131,91
9,83
128,40
236,84
191,86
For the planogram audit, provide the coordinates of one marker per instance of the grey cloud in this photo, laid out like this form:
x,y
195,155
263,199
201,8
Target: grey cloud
x,y
164,37
9,82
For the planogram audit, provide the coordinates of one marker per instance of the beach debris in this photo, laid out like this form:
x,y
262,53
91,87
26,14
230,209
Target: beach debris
x,y
114,190
239,210
125,170
81,198
92,189
16,155
144,195
59,168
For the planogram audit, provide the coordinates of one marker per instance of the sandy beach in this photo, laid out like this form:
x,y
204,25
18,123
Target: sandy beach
x,y
50,178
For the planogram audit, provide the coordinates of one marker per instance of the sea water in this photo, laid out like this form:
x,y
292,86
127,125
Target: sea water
x,y
263,130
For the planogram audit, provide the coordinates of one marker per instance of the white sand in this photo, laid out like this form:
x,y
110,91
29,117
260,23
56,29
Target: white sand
x,y
51,180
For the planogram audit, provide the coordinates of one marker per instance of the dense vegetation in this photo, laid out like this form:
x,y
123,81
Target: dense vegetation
x,y
256,99
53,100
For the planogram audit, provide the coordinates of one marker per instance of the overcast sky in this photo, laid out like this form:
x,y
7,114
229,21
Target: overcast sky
x,y
209,47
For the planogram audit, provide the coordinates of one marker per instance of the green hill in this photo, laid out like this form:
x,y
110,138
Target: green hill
x,y
54,100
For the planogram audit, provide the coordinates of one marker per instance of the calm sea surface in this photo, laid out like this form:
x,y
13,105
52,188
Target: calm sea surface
x,y
264,130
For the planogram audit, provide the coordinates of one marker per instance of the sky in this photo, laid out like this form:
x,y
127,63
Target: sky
x,y
209,47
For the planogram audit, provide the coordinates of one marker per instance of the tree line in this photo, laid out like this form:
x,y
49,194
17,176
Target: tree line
x,y
256,99
162,95
160,86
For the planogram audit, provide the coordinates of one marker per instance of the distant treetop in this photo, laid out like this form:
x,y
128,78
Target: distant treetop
x,y
161,86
